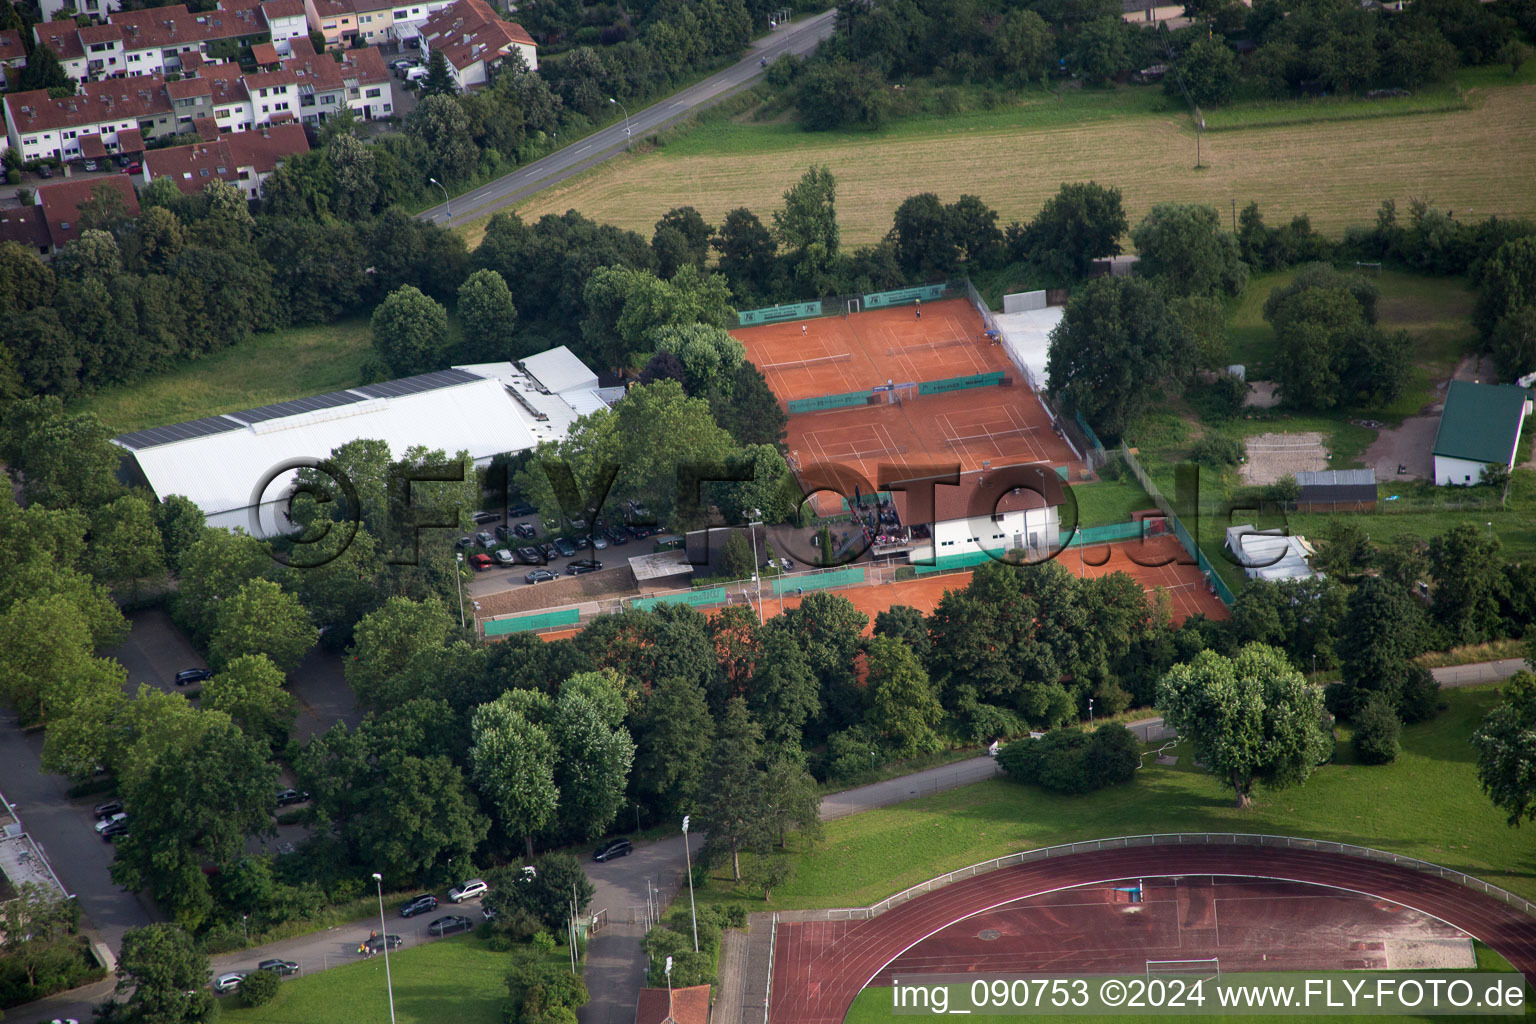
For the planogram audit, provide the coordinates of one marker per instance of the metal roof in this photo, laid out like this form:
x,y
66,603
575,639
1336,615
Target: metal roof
x,y
171,433
416,385
330,400
1337,478
1481,422
660,565
559,370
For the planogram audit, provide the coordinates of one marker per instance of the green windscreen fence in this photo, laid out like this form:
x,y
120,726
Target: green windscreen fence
x,y
947,562
695,599
1087,536
974,380
825,402
773,314
523,623
836,578
904,295
867,499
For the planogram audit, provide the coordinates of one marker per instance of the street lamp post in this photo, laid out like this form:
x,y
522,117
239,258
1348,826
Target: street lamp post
x,y
1090,712
378,882
458,575
694,910
757,567
446,201
626,119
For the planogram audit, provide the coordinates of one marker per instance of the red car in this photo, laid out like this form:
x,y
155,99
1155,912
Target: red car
x,y
481,562
134,168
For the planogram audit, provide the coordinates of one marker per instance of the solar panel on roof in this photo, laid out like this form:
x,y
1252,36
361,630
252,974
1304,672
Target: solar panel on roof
x,y
278,410
155,436
418,384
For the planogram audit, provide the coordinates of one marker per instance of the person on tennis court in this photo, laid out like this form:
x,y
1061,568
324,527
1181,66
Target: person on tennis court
x,y
919,304
802,330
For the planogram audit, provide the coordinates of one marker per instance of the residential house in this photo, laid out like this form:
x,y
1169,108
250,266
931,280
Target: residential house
x,y
13,57
60,204
159,40
360,80
406,18
336,20
475,41
63,38
244,159
286,19
1479,426
25,226
38,125
97,10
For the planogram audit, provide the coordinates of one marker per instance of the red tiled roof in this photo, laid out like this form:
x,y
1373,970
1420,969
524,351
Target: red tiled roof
x,y
468,30
92,146
130,140
283,9
99,34
206,128
320,70
176,26
188,88
999,489
61,203
265,53
24,224
334,9
688,1006
11,46
193,167
117,99
62,37
192,62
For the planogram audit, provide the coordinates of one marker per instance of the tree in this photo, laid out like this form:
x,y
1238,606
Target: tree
x,y
542,992
907,624
747,251
1183,247
1514,343
249,689
1464,562
690,232
737,560
259,988
1082,222
262,619
1208,69
709,355
439,78
834,92
43,71
66,460
419,818
1381,632
166,976
387,638
547,893
1251,718
675,735
443,128
1377,729
410,331
1025,50
730,809
39,942
128,544
1506,282
782,690
1099,49
1506,750
1116,348
902,704
513,762
593,753
807,226
487,316
1515,53
747,408
925,244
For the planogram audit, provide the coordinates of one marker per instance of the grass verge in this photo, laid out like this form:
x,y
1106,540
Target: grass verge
x,y
1109,501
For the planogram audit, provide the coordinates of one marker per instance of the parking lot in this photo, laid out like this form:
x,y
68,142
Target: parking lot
x,y
612,553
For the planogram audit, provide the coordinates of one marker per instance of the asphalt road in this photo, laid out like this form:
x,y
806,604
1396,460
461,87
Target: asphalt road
x,y
797,38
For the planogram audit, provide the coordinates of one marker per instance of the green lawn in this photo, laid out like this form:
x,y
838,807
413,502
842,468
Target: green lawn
x,y
1426,804
451,981
1109,501
273,367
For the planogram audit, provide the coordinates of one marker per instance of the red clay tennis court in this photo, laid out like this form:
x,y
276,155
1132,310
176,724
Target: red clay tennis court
x,y
820,966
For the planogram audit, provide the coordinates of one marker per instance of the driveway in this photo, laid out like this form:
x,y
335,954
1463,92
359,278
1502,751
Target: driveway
x,y
796,38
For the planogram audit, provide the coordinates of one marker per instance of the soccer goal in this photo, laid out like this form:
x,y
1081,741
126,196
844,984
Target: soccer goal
x,y
1208,968
850,307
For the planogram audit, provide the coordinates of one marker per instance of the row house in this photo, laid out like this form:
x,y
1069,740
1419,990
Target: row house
x,y
475,41
39,126
359,80
161,39
286,19
244,159
96,10
13,57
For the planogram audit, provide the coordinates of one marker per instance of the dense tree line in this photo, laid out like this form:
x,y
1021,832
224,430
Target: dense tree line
x,y
1291,47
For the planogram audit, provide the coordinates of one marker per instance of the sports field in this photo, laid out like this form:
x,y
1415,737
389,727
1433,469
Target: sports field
x,y
1336,172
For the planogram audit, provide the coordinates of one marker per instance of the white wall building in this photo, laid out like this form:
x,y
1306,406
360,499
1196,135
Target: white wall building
x,y
1480,425
1001,509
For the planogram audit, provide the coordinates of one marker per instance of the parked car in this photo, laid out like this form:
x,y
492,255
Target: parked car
x,y
504,557
416,75
540,576
613,848
133,167
582,541
123,159
582,566
599,542
470,890
550,552
290,796
482,517
89,165
530,556
228,982
484,539
114,831
450,925
45,170
464,542
503,533
565,547
281,968
418,905
193,675
616,536
524,530
374,944
522,508
481,562
107,808
120,817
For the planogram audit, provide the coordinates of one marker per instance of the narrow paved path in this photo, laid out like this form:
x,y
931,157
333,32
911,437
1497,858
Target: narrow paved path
x,y
797,38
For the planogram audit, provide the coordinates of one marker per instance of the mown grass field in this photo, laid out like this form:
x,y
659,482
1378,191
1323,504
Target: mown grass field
x,y
1426,804
1015,157
273,367
1109,501
452,981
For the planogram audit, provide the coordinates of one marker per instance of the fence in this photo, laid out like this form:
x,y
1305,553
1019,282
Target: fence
x,y
948,384
1521,904
562,618
692,598
851,577
773,314
823,402
902,296
1218,585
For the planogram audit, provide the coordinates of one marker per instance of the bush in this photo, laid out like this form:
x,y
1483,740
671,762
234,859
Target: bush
x,y
1072,761
1217,451
1376,732
499,943
1223,399
259,987
1420,697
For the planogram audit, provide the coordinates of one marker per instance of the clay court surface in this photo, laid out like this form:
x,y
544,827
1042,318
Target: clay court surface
x,y
1061,916
863,444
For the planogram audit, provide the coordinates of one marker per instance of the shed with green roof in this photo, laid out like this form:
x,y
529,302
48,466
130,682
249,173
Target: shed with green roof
x,y
1479,425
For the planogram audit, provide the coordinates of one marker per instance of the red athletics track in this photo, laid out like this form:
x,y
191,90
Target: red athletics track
x,y
819,967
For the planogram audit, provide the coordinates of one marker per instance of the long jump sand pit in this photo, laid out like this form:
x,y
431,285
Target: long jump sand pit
x,y
1273,457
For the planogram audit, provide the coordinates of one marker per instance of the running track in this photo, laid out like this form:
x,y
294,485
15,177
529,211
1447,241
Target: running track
x,y
820,967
